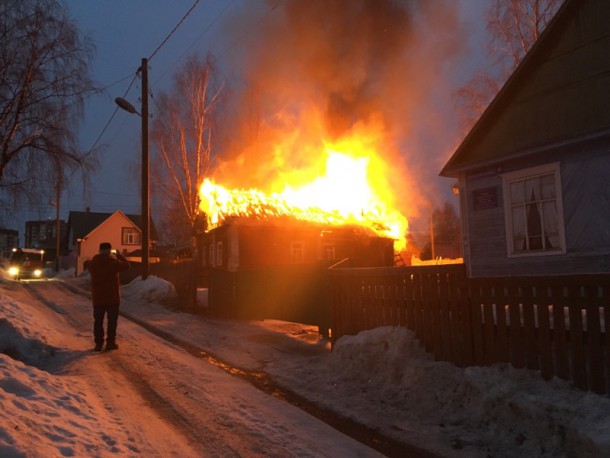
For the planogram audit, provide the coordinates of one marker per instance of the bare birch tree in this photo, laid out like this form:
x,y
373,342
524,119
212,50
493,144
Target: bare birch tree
x,y
513,26
183,136
44,78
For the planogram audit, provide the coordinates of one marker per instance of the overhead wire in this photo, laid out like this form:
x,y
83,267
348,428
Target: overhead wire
x,y
174,29
134,76
161,45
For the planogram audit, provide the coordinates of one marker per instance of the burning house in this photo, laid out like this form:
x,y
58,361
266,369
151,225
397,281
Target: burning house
x,y
336,217
265,254
315,169
247,243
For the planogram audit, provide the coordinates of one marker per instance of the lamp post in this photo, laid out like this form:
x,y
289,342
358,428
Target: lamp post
x,y
125,105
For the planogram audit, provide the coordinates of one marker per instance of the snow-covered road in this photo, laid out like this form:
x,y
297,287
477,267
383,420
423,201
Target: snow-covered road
x,y
184,385
156,399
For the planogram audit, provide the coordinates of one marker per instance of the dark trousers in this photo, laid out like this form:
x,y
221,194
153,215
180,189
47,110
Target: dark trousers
x,y
98,323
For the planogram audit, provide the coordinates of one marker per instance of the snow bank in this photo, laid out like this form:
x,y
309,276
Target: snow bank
x,y
151,290
382,377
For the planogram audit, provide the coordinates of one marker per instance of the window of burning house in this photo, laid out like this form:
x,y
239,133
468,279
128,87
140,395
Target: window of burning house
x,y
328,251
210,259
297,252
218,260
130,236
534,212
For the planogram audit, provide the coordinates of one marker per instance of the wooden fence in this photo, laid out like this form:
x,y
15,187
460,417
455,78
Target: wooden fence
x,y
557,325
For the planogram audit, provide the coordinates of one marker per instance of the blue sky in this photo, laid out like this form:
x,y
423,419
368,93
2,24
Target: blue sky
x,y
126,31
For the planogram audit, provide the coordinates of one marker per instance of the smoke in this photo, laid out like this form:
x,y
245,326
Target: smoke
x,y
313,71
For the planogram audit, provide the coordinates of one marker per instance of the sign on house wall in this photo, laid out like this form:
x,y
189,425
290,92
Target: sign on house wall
x,y
485,198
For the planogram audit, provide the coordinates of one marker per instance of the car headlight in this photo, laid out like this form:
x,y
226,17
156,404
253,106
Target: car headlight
x,y
13,271
37,273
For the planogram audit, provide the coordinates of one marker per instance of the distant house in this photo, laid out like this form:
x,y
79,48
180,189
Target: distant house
x,y
534,171
86,230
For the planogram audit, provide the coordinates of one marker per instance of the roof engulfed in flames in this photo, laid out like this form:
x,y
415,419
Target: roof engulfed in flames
x,y
350,192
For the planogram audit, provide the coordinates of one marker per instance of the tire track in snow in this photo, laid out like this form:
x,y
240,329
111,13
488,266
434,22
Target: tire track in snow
x,y
368,436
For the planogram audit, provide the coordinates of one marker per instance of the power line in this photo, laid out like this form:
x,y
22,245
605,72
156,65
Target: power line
x,y
174,29
109,120
134,77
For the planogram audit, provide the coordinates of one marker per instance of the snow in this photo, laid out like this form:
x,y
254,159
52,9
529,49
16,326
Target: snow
x,y
57,399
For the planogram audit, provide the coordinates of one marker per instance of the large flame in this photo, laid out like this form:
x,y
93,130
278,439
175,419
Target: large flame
x,y
351,190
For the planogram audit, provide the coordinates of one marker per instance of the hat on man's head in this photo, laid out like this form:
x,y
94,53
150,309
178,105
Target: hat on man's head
x,y
105,246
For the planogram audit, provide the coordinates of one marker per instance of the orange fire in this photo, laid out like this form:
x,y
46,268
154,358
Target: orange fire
x,y
351,190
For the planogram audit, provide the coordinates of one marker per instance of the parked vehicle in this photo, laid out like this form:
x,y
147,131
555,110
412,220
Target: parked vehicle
x,y
26,263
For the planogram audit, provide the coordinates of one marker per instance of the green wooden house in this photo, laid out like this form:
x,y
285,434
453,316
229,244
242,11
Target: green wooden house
x,y
534,171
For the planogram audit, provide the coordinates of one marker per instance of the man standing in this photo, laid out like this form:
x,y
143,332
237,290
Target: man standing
x,y
106,294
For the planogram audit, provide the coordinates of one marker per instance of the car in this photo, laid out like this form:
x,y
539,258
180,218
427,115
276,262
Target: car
x,y
26,263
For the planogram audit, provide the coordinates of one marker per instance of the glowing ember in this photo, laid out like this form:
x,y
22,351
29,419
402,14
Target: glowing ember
x,y
350,192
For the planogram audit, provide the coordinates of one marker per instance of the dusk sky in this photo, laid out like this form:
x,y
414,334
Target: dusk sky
x,y
126,31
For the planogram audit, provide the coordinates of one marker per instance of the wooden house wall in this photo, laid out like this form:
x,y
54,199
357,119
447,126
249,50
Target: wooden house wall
x,y
263,246
561,92
585,174
258,246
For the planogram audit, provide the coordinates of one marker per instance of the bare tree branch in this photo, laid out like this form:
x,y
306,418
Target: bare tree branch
x,y
43,78
513,27
183,133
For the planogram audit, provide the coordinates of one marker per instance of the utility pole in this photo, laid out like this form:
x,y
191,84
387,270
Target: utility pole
x,y
125,105
57,223
432,234
145,173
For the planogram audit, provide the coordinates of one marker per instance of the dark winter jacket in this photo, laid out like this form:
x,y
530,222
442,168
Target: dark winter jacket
x,y
104,270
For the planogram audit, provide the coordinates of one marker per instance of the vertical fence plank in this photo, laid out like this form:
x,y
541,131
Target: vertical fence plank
x,y
489,323
427,305
560,339
482,321
579,374
594,350
605,291
544,335
476,324
515,327
446,337
418,327
410,301
468,339
529,327
461,346
502,350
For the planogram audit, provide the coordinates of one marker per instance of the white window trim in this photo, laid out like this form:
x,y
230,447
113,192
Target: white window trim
x,y
129,233
518,175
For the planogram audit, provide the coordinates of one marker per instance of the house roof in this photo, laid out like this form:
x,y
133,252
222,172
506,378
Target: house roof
x,y
557,95
83,223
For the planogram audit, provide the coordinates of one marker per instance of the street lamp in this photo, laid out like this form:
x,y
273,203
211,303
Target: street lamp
x,y
125,105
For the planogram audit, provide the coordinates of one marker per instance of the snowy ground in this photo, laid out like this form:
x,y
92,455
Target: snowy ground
x,y
151,398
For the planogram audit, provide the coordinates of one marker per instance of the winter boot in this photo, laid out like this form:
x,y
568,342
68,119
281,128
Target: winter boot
x,y
111,346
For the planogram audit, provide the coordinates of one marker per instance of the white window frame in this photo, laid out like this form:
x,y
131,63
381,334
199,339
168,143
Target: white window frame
x,y
522,176
131,236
